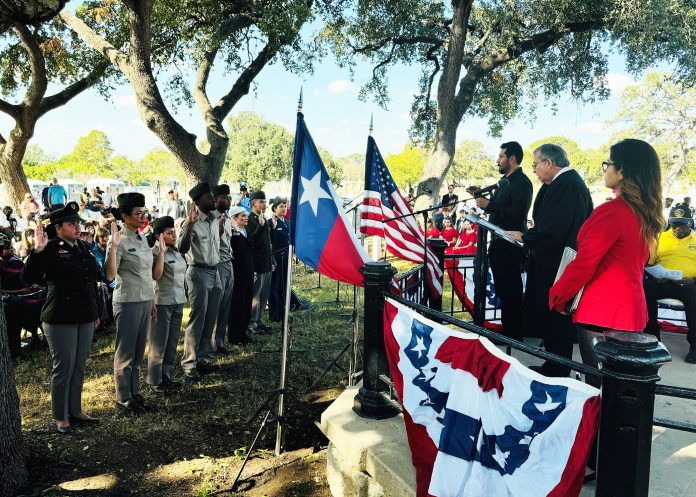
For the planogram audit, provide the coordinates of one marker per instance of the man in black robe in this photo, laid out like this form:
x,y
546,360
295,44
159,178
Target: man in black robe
x,y
560,208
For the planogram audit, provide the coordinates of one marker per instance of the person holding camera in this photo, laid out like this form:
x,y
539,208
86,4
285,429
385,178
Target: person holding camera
x,y
242,198
65,264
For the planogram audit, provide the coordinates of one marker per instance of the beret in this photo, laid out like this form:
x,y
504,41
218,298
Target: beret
x,y
257,195
221,190
199,190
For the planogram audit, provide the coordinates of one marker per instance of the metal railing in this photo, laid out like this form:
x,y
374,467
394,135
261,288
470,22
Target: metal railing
x,y
629,364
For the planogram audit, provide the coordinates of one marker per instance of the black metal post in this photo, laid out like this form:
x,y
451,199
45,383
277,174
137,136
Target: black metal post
x,y
369,402
628,399
438,246
480,276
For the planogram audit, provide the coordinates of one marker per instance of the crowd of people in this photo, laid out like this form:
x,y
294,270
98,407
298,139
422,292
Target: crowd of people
x,y
78,267
70,274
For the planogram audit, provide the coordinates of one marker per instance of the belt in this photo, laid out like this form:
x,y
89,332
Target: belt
x,y
204,266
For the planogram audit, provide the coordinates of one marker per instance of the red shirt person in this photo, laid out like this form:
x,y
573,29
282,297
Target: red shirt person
x,y
613,248
432,231
466,244
448,233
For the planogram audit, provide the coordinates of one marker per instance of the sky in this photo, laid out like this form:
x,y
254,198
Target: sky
x,y
337,119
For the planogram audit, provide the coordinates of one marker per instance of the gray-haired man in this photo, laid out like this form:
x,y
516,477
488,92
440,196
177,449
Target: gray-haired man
x,y
560,208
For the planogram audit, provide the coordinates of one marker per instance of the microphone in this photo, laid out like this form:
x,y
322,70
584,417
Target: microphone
x,y
503,183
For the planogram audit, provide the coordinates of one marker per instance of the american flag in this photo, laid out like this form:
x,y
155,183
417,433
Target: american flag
x,y
383,200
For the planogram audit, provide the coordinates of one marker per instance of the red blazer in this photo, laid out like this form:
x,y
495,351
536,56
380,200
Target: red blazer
x,y
610,261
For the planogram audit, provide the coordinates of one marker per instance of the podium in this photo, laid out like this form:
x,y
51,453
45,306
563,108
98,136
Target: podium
x,y
481,263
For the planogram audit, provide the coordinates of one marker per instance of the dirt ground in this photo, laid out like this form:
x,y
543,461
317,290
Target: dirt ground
x,y
192,443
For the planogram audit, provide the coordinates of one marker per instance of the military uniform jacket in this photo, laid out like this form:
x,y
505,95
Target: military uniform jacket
x,y
70,273
260,237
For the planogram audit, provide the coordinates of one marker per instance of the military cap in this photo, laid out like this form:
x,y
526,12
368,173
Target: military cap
x,y
162,223
236,210
71,212
257,195
221,190
199,190
130,200
680,213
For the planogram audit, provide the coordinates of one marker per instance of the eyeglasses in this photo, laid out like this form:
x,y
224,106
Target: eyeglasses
x,y
607,163
535,164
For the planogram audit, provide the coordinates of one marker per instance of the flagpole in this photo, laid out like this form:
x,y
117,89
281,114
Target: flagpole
x,y
286,335
356,299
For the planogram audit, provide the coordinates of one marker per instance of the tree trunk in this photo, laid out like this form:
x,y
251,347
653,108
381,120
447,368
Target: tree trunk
x,y
449,112
28,12
439,161
13,473
11,172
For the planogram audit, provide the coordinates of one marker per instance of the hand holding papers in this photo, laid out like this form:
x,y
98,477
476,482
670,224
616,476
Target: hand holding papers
x,y
496,230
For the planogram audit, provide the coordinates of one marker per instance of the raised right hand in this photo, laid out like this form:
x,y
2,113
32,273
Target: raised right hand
x,y
115,234
40,238
162,244
192,213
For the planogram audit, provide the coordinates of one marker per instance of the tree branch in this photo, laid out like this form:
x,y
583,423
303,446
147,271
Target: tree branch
x,y
12,110
37,64
228,27
243,83
64,96
399,40
93,39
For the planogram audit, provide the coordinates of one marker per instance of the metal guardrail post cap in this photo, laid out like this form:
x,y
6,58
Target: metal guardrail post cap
x,y
378,269
630,353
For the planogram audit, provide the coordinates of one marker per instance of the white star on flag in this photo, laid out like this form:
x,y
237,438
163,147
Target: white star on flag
x,y
500,456
420,346
549,405
312,192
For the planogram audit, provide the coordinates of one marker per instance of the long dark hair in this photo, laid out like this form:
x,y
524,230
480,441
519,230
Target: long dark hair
x,y
641,186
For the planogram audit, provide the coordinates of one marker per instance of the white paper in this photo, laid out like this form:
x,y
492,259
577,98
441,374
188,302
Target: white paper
x,y
660,272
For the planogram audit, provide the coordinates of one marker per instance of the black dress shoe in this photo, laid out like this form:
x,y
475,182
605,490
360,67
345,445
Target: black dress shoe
x,y
129,407
161,388
89,420
691,356
192,376
265,329
223,351
171,385
64,430
242,341
205,368
141,400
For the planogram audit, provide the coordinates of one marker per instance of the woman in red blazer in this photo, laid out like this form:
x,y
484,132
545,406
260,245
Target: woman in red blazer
x,y
613,247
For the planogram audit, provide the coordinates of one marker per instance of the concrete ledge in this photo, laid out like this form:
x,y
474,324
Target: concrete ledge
x,y
366,457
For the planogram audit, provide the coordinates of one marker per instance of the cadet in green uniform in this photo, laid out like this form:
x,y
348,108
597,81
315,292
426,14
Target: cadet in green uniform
x,y
66,265
199,240
169,271
129,261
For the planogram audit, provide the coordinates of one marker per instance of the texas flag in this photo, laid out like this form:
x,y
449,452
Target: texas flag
x,y
478,422
319,230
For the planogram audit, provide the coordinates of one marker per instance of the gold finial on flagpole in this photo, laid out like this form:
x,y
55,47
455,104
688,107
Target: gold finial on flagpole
x,y
299,102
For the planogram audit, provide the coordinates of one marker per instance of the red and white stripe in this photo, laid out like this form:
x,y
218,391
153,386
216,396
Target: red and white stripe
x,y
404,238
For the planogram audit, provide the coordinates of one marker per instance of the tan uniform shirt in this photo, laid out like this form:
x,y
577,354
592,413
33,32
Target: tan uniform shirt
x,y
133,268
225,248
169,290
205,240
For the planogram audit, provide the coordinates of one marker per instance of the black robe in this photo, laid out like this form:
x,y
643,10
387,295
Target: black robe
x,y
560,209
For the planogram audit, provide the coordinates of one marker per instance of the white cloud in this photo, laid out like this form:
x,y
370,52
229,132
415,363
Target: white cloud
x,y
124,101
340,86
617,81
316,92
593,128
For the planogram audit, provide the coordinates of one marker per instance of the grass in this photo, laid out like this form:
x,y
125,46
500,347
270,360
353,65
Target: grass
x,y
193,441
205,420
